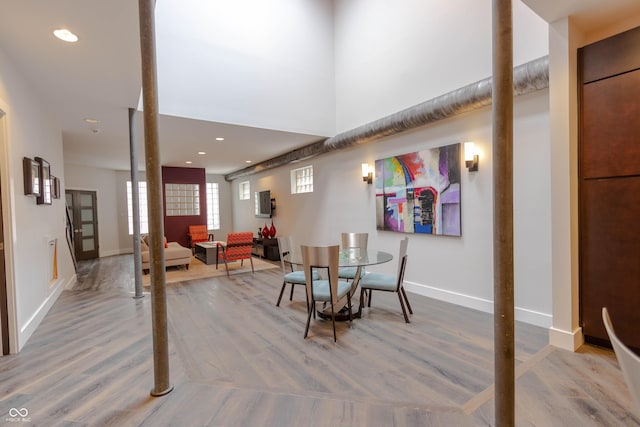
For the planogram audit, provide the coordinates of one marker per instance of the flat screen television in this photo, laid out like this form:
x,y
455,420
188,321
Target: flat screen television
x,y
264,208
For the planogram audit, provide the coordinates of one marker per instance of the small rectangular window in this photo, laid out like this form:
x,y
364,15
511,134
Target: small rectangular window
x,y
142,212
302,180
213,206
244,190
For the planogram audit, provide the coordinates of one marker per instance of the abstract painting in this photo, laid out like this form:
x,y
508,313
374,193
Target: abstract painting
x,y
419,192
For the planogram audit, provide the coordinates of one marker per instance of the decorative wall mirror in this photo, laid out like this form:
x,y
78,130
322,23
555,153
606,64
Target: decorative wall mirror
x,y
31,172
44,198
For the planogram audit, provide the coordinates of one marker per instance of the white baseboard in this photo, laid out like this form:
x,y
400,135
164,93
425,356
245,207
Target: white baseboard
x,y
565,339
30,326
521,314
115,252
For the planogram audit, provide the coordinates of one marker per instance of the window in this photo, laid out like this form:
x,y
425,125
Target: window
x,y
142,213
244,190
302,180
213,206
182,199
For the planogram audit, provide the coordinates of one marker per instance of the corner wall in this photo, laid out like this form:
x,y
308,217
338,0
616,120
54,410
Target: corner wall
x,y
28,227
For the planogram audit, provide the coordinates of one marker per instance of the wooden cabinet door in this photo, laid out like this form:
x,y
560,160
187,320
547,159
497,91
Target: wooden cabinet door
x,y
609,188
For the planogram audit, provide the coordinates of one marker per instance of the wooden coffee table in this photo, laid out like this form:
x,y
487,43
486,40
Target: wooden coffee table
x,y
207,252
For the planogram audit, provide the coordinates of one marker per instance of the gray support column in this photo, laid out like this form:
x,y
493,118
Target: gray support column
x,y
503,213
135,201
154,200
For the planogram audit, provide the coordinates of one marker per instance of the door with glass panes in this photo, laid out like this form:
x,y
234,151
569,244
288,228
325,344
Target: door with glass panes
x,y
83,210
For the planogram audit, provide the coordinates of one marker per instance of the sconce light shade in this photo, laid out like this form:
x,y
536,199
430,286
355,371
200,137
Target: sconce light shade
x,y
471,158
367,173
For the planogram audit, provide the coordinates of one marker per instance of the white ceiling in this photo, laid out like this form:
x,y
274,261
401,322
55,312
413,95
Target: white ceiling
x,y
99,77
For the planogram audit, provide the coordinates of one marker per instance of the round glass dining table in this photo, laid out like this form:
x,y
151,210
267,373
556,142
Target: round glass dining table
x,y
352,257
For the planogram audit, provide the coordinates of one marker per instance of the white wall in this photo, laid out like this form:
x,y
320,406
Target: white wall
x,y
29,132
264,63
388,57
110,189
454,269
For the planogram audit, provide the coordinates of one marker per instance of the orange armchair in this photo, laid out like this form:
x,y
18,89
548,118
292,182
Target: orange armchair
x,y
198,233
238,247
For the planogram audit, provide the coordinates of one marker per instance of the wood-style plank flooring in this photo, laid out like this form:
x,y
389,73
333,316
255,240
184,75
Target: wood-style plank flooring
x,y
238,360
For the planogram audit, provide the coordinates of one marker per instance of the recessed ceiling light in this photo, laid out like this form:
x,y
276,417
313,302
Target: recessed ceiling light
x,y
247,161
201,153
188,162
92,121
66,35
219,138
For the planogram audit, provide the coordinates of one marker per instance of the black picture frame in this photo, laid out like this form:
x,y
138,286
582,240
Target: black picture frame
x,y
45,182
31,173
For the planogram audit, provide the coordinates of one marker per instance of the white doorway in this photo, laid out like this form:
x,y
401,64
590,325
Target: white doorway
x,y
8,333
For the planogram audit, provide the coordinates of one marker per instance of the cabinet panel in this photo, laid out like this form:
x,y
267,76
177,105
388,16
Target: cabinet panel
x,y
610,258
611,56
610,138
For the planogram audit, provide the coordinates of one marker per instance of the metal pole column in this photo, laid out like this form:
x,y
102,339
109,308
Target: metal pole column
x,y
502,98
162,385
135,202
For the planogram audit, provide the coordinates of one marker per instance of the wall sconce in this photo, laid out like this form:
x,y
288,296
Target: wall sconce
x,y
367,173
471,158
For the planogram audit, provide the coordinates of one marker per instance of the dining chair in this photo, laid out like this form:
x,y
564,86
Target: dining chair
x,y
238,248
352,241
329,290
387,283
628,360
294,277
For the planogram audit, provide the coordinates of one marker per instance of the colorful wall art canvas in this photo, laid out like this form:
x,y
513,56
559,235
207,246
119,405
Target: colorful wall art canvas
x,y
420,192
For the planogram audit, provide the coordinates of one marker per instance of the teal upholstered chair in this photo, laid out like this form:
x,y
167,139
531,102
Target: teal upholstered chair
x,y
352,241
384,282
329,290
291,275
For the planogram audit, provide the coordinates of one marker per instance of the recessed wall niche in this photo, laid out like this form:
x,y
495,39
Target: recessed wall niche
x,y
182,199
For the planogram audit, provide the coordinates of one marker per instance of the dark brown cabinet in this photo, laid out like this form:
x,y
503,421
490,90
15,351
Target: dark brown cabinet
x,y
266,248
609,187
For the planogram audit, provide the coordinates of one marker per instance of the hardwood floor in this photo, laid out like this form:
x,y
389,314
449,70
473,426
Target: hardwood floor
x,y
238,360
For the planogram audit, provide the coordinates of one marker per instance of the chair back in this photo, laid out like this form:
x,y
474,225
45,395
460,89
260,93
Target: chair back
x,y
321,257
197,233
239,246
628,360
285,246
402,261
355,240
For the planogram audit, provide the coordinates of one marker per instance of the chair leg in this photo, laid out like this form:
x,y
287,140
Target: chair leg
x,y
252,270
404,294
310,308
404,311
370,296
284,285
291,295
333,321
350,311
361,303
226,266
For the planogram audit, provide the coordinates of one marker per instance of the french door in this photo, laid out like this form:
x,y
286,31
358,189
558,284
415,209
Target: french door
x,y
83,210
